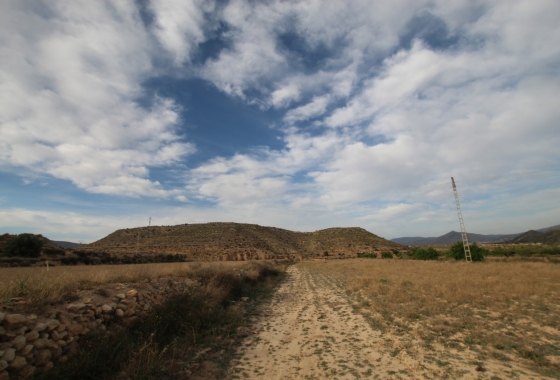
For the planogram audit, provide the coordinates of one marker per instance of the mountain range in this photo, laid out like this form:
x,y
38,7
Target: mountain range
x,y
548,235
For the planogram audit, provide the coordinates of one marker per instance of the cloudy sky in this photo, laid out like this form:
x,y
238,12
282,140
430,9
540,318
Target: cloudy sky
x,y
296,114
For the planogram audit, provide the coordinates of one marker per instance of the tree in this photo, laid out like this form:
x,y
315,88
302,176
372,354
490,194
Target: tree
x,y
424,254
24,245
457,252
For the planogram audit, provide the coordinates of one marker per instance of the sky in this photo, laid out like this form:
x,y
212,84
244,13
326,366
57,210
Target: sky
x,y
301,114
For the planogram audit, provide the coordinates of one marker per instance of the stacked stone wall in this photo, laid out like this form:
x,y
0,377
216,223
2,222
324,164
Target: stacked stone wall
x,y
31,343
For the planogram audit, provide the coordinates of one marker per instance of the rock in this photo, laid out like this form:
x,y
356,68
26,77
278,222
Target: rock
x,y
119,313
14,321
129,313
244,299
113,305
48,366
19,342
2,352
87,300
5,346
122,307
131,293
44,336
9,355
22,330
27,349
40,344
75,329
4,375
106,309
61,328
43,357
55,335
76,307
18,363
3,365
32,336
2,331
2,316
90,314
39,327
52,324
121,296
85,331
62,359
61,343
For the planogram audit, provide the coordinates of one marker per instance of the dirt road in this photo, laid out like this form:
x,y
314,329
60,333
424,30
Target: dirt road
x,y
312,329
309,331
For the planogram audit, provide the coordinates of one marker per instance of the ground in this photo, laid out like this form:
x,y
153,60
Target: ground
x,y
314,328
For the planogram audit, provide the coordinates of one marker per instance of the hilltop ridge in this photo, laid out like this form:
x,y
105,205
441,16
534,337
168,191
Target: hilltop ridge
x,y
237,241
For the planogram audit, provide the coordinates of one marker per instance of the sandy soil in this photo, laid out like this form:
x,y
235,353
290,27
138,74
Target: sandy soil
x,y
312,330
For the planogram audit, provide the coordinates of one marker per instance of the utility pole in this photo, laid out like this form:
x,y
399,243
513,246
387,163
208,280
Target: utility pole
x,y
466,247
150,221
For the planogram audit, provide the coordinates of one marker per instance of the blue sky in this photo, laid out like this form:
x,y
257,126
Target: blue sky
x,y
296,114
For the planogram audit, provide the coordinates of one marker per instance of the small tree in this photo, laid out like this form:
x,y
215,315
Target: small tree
x,y
424,253
24,245
457,252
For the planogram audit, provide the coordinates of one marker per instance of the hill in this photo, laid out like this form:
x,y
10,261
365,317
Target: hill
x,y
235,241
452,237
67,244
549,237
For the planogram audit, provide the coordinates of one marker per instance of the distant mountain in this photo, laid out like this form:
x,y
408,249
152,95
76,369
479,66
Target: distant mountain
x,y
68,244
453,236
549,237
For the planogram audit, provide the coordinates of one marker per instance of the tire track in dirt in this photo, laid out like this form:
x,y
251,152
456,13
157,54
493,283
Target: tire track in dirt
x,y
309,331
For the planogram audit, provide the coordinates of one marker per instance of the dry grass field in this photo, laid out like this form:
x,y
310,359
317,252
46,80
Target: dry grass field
x,y
39,286
500,317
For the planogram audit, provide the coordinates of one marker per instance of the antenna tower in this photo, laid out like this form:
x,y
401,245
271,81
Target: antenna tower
x,y
150,221
462,223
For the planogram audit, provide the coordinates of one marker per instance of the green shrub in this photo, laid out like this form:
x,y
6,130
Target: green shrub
x,y
424,253
386,255
24,245
371,255
457,252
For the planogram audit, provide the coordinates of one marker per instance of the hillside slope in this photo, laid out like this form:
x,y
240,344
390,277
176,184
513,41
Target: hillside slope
x,y
235,241
550,237
452,237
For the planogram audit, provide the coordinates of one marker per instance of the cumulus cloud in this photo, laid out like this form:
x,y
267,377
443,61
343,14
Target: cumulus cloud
x,y
70,78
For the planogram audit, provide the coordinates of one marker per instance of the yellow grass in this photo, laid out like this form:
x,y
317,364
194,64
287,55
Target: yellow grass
x,y
41,286
501,310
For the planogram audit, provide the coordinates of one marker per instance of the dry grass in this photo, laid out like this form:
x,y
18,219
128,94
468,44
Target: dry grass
x,y
505,311
40,286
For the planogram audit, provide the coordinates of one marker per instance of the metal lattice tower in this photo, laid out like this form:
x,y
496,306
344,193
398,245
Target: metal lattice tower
x,y
462,223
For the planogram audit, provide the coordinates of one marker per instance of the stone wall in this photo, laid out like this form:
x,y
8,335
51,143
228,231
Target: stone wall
x,y
31,343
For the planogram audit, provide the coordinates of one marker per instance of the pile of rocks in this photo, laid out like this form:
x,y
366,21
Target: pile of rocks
x,y
31,343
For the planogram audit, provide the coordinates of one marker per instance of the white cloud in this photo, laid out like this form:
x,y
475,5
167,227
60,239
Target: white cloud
x,y
315,108
179,25
67,103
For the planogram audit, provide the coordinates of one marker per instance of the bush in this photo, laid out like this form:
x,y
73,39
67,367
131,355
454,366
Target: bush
x,y
424,254
458,253
24,245
386,255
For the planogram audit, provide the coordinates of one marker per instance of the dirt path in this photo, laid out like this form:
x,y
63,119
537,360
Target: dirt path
x,y
309,331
